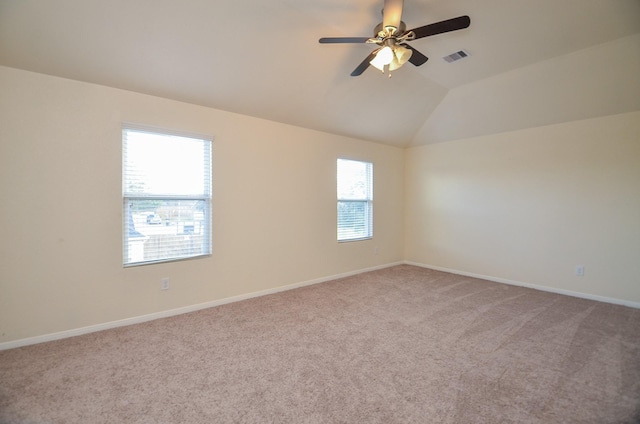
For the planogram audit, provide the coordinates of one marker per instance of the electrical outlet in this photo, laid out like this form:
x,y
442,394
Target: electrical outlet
x,y
580,270
164,283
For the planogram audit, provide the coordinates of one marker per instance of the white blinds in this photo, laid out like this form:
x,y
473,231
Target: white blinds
x,y
166,185
355,199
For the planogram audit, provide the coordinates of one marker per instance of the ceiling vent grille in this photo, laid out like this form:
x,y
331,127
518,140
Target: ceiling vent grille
x,y
456,56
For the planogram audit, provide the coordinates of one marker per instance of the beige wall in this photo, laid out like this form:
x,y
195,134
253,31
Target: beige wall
x,y
528,206
274,210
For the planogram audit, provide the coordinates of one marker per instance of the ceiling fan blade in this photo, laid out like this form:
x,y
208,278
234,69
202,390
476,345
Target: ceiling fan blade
x,y
392,13
416,58
365,64
449,25
336,40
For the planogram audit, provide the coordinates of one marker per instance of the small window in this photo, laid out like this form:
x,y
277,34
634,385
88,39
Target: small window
x,y
355,200
166,186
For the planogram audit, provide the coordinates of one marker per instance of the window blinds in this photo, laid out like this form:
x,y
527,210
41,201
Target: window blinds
x,y
355,200
166,185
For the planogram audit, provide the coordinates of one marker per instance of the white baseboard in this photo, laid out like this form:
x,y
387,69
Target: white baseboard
x,y
178,311
531,286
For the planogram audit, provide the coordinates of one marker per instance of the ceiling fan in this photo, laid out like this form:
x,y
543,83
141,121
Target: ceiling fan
x,y
391,36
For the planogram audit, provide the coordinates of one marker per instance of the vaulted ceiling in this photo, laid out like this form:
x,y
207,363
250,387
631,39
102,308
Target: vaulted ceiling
x,y
531,62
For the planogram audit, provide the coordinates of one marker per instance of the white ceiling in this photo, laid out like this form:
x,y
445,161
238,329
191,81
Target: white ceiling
x,y
263,58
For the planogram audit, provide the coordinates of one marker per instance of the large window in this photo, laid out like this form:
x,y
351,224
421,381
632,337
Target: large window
x,y
355,200
166,186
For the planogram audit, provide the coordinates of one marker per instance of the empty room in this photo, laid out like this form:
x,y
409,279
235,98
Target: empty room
x,y
319,211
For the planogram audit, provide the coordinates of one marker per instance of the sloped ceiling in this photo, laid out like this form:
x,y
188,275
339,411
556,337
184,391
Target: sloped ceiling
x,y
532,62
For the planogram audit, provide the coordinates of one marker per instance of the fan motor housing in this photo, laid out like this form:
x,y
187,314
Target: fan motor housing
x,y
379,30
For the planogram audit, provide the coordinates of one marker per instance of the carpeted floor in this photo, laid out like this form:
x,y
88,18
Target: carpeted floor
x,y
399,345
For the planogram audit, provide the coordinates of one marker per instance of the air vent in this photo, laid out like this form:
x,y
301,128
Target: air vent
x,y
456,56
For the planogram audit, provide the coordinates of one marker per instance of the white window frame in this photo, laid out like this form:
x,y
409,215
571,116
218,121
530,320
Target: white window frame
x,y
363,196
134,240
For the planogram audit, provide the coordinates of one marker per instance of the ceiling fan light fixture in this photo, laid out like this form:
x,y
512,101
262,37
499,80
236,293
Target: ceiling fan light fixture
x,y
401,55
392,56
383,58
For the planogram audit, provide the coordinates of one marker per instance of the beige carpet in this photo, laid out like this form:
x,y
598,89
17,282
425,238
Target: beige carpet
x,y
400,345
